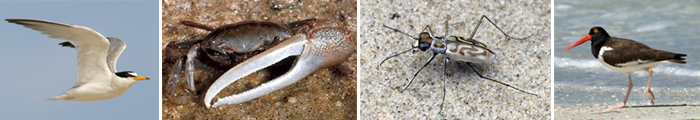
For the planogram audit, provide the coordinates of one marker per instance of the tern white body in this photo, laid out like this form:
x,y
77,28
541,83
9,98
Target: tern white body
x,y
97,58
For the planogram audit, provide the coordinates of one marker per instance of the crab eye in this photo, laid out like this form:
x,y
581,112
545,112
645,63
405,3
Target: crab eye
x,y
214,52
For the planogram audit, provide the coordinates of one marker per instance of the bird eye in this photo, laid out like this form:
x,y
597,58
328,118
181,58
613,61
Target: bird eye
x,y
133,74
595,30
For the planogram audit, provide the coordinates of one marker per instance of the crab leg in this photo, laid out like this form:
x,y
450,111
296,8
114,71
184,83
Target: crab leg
x,y
189,69
323,47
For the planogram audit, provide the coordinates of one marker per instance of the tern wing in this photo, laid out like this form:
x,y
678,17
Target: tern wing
x,y
116,46
92,47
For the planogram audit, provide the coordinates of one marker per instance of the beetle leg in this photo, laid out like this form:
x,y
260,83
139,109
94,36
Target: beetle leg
x,y
444,85
477,73
447,25
414,75
397,54
499,29
429,30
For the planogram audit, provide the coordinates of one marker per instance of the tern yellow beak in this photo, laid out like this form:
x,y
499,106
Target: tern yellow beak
x,y
141,78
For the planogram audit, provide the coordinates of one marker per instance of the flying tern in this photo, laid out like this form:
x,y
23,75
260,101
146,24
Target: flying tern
x,y
97,59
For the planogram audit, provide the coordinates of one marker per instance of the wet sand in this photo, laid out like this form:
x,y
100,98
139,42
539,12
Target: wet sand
x,y
329,93
592,103
524,64
658,111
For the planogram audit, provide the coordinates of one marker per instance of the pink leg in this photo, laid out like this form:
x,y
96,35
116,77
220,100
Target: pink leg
x,y
629,89
650,94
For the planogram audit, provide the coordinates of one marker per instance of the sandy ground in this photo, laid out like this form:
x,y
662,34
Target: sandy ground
x,y
592,103
329,93
658,111
522,63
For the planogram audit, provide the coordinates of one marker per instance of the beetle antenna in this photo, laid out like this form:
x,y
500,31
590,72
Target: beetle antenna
x,y
399,31
397,54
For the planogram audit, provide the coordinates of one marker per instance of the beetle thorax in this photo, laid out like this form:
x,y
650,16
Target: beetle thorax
x,y
438,45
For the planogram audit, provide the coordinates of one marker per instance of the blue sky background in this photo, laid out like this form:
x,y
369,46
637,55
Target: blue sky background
x,y
34,67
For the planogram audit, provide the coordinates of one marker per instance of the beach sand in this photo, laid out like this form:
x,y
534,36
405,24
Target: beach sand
x,y
329,93
524,64
658,111
592,103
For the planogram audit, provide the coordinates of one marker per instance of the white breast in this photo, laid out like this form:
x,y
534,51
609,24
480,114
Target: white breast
x,y
627,67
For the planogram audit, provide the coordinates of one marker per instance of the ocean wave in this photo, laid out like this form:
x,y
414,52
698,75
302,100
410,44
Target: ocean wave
x,y
654,26
593,63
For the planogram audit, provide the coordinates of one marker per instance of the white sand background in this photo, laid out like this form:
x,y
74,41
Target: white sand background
x,y
522,63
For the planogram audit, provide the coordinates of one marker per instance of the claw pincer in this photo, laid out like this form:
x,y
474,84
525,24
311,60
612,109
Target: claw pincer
x,y
319,48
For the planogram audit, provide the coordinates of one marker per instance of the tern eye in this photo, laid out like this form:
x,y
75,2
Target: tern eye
x,y
126,74
133,74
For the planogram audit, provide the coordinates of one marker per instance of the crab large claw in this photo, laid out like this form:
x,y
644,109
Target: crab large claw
x,y
321,48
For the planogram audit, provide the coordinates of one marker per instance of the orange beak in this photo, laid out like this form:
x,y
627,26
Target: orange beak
x,y
141,78
579,42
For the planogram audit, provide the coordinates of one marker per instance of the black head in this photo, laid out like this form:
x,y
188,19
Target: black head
x,y
598,33
126,74
130,74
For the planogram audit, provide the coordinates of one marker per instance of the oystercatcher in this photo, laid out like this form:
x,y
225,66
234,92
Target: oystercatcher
x,y
625,55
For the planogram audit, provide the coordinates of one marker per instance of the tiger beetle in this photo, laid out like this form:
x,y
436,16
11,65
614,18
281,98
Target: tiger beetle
x,y
454,47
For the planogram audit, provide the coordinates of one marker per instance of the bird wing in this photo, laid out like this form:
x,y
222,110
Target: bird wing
x,y
116,46
92,47
627,55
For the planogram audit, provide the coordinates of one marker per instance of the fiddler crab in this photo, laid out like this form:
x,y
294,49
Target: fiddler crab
x,y
255,45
